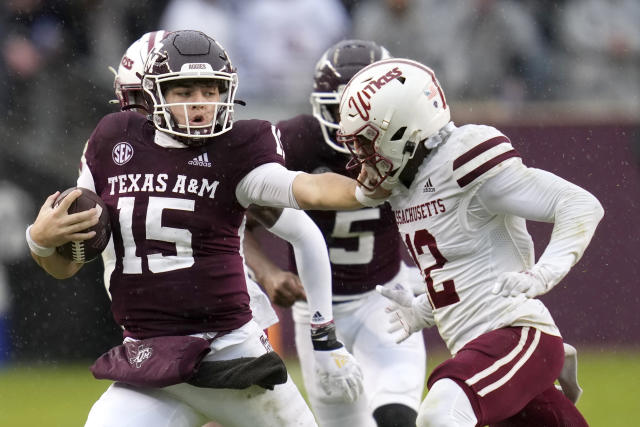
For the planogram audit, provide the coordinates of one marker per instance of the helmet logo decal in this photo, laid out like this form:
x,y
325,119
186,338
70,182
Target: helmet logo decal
x,y
361,106
122,152
127,62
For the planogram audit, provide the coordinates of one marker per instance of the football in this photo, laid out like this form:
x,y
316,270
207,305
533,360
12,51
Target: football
x,y
86,250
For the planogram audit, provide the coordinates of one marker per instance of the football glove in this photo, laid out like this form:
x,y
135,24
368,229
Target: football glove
x,y
530,283
407,314
337,371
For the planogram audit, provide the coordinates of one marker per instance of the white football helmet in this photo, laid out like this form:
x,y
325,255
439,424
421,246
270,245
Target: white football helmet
x,y
386,110
127,83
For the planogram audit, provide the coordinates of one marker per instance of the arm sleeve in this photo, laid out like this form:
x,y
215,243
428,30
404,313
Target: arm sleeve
x,y
270,184
312,259
538,195
85,178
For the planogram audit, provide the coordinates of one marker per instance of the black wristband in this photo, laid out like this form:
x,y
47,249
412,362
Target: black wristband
x,y
323,337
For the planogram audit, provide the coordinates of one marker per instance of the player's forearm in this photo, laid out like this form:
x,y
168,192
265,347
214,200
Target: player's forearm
x,y
312,259
577,215
57,266
46,256
326,191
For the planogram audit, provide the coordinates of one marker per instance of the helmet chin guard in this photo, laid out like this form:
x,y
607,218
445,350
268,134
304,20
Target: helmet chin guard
x,y
394,104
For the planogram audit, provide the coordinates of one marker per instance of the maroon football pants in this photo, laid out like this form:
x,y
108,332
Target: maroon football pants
x,y
549,409
508,375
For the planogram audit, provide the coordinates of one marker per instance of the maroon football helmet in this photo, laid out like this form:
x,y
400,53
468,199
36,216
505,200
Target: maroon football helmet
x,y
333,71
188,56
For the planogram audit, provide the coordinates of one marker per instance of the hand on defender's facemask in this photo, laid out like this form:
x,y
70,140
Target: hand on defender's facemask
x,y
370,178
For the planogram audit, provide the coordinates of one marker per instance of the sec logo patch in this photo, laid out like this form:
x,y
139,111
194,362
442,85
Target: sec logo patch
x,y
122,152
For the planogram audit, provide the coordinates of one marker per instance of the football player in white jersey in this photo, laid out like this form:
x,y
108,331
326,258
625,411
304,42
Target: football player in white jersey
x,y
461,197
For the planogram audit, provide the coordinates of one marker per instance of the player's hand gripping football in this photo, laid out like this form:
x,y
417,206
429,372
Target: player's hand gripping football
x,y
338,372
54,226
511,284
407,314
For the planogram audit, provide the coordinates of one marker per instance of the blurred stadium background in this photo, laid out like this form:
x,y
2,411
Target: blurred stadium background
x,y
560,78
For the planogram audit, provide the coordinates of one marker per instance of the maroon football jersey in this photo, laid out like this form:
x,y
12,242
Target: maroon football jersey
x,y
364,247
175,221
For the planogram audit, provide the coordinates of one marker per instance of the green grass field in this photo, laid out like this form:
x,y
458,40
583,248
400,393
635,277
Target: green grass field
x,y
61,395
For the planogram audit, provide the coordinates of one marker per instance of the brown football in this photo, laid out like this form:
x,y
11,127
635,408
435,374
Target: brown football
x,y
86,250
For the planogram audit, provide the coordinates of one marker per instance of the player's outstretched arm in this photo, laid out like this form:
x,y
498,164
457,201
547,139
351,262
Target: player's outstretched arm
x,y
325,191
339,374
54,227
271,184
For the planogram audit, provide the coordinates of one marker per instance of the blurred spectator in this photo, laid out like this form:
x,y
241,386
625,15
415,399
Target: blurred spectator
x,y
39,44
481,49
216,18
273,43
53,65
601,42
109,26
15,206
279,42
33,45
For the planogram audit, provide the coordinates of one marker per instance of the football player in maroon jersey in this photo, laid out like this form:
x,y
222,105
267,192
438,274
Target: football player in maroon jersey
x,y
177,189
365,251
128,90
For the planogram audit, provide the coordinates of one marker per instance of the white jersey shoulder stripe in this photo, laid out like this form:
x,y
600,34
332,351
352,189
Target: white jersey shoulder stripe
x,y
481,158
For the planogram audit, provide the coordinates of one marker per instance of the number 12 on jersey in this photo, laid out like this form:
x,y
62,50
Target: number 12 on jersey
x,y
416,245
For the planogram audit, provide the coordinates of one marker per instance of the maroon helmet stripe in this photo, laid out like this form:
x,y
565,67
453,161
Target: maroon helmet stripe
x,y
152,40
479,149
486,166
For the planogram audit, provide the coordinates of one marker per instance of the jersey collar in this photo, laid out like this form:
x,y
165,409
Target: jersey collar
x,y
165,141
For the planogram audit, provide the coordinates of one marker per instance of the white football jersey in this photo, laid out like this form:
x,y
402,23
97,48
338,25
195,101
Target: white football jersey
x,y
459,245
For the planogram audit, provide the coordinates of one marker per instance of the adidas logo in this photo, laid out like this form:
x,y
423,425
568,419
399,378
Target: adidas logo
x,y
317,317
428,187
339,359
201,160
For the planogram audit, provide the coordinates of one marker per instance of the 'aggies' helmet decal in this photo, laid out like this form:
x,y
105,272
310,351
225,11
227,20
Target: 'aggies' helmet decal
x,y
190,55
333,71
386,110
127,83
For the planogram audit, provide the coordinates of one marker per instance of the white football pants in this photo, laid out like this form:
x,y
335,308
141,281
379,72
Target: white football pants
x,y
184,405
393,373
